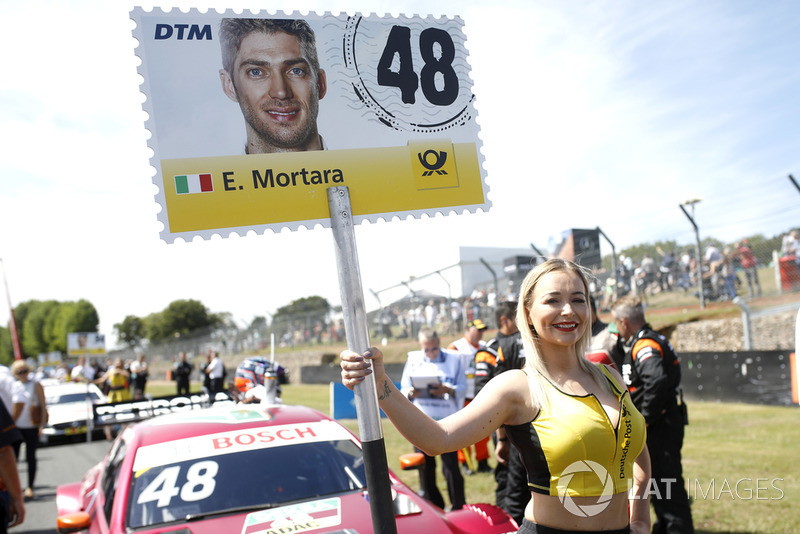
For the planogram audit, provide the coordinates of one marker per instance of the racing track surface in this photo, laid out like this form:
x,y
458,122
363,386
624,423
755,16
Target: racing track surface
x,y
58,464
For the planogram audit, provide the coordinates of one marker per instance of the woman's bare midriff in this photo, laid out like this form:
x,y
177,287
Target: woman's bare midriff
x,y
549,510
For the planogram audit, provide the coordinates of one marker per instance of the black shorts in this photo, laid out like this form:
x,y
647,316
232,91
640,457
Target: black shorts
x,y
532,528
4,511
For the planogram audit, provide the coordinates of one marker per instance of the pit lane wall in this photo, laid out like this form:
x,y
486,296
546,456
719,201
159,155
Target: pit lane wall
x,y
752,377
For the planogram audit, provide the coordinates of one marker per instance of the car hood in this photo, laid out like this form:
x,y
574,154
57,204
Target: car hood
x,y
349,512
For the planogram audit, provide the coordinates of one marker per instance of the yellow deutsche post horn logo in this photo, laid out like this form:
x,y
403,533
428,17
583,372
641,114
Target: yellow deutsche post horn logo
x,y
433,164
436,166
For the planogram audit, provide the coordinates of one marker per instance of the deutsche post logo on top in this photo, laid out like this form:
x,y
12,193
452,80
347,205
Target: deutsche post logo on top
x,y
433,164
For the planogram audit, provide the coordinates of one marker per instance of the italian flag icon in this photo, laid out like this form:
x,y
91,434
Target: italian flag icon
x,y
193,183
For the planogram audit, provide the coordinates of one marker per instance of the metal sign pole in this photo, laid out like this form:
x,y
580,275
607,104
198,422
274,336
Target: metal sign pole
x,y
357,332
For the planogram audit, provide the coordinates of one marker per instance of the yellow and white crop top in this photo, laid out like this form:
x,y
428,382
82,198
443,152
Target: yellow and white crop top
x,y
572,448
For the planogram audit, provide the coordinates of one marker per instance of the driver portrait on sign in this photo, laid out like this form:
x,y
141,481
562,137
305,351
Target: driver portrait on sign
x,y
271,69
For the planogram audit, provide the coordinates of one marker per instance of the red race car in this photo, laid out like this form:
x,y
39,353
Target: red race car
x,y
246,469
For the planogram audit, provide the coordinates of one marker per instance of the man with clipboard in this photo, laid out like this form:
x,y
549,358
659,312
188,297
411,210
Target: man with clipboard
x,y
435,381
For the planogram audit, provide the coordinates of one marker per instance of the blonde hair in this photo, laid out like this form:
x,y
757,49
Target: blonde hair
x,y
530,338
19,365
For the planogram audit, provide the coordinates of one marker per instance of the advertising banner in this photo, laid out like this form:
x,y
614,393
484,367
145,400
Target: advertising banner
x,y
138,410
253,116
85,343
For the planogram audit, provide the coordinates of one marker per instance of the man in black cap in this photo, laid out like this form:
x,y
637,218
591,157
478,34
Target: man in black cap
x,y
652,373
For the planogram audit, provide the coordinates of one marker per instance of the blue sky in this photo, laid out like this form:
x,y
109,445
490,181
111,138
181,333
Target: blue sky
x,y
593,114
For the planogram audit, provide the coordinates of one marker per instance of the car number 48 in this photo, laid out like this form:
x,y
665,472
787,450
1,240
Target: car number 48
x,y
199,485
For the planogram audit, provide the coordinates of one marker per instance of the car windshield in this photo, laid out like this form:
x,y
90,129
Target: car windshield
x,y
255,479
70,397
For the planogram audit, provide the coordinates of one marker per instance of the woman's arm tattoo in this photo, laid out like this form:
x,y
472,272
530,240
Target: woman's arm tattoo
x,y
386,391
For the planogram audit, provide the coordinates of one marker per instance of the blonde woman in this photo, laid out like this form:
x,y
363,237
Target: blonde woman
x,y
580,437
29,412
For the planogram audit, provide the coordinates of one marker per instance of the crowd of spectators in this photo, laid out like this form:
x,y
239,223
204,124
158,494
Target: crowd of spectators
x,y
404,321
129,375
727,271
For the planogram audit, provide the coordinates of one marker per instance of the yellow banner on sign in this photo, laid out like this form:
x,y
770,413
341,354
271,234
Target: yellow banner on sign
x,y
240,191
83,352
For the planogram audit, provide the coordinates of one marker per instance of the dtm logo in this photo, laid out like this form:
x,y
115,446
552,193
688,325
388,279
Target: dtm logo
x,y
436,166
183,31
590,468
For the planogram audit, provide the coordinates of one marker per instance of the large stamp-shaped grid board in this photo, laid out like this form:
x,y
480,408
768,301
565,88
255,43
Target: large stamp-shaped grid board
x,y
396,121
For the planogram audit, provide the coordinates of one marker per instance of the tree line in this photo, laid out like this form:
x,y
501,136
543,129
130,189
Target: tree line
x,y
183,317
179,318
43,326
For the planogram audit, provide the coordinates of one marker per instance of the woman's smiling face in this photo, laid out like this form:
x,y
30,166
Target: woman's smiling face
x,y
559,311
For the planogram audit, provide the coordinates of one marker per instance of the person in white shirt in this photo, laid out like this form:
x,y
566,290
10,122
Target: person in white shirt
x,y
8,386
29,413
790,244
215,371
443,397
456,314
430,314
82,372
712,254
62,373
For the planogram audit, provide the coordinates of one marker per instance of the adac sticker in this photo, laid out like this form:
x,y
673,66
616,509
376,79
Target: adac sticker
x,y
302,517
